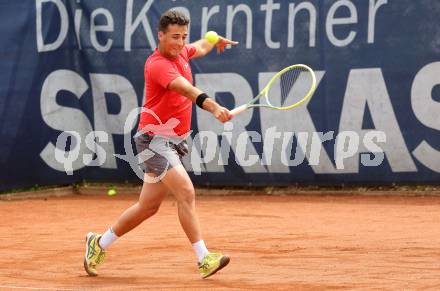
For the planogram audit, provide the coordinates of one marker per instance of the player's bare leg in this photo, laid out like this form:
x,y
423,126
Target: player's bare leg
x,y
179,183
152,195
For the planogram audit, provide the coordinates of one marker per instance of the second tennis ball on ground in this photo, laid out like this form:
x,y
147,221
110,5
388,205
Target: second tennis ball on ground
x,y
112,192
211,37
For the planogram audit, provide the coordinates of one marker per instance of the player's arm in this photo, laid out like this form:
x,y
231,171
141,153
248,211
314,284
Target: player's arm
x,y
185,88
203,47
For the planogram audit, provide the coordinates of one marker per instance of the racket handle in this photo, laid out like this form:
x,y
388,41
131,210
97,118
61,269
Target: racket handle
x,y
238,110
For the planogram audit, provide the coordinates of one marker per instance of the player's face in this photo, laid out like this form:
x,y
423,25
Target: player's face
x,y
173,40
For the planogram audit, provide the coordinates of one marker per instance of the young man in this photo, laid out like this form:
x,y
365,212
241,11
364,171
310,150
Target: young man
x,y
169,97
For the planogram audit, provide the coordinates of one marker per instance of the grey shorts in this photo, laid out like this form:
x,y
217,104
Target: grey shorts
x,y
158,154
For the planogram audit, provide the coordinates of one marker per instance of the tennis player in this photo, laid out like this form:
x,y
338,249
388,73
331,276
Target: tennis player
x,y
169,95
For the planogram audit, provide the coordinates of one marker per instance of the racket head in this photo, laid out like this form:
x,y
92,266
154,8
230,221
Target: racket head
x,y
289,88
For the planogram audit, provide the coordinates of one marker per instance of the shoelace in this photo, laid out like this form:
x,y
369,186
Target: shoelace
x,y
205,266
208,259
100,257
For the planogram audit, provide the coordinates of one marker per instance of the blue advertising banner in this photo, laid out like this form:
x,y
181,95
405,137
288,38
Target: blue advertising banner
x,y
72,78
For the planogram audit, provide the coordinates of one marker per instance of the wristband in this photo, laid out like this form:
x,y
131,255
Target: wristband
x,y
200,99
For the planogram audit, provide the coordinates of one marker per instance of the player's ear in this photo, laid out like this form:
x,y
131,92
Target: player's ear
x,y
160,35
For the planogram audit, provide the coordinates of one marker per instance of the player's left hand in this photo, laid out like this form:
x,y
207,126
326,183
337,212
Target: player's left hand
x,y
223,43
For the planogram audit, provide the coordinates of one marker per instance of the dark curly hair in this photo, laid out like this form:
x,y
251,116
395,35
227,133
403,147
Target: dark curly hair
x,y
172,17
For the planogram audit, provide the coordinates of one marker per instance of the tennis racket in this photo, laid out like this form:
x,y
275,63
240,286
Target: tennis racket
x,y
289,88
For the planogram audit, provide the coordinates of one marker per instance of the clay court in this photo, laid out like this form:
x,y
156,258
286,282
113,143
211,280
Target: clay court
x,y
290,242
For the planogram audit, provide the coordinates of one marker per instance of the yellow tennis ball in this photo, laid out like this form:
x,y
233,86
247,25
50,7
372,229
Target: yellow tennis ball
x,y
112,192
211,37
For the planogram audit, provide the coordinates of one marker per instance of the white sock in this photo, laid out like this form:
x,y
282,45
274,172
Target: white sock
x,y
107,239
200,249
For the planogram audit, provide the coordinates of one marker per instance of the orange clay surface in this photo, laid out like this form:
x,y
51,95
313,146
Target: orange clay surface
x,y
275,242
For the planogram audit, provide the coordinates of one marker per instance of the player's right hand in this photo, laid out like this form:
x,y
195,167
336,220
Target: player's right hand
x,y
222,114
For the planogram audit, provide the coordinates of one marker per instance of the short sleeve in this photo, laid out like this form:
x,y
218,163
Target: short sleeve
x,y
190,50
162,72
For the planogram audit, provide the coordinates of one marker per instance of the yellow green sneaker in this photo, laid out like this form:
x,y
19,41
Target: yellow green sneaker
x,y
212,263
94,253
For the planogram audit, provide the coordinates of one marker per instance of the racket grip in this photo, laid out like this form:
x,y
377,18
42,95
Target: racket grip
x,y
238,110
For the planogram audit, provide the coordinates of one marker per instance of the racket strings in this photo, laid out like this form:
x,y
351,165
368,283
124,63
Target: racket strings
x,y
287,81
291,87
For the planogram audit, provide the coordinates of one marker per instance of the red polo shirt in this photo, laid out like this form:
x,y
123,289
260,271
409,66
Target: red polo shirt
x,y
159,71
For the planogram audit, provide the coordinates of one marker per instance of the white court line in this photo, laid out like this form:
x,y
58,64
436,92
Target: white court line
x,y
36,288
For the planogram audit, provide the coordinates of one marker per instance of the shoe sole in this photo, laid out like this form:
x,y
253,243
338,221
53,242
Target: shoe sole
x,y
224,261
87,270
86,267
